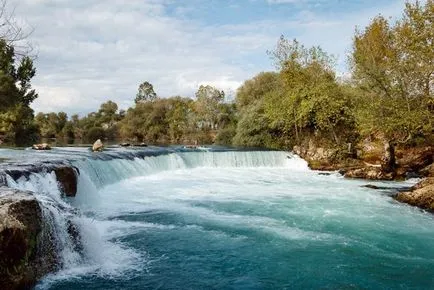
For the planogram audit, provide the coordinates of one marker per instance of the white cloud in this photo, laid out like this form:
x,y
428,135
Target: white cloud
x,y
93,51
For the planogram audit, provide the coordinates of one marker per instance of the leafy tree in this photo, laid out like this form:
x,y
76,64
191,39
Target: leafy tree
x,y
393,65
95,133
256,88
253,129
208,99
310,100
16,94
146,93
180,118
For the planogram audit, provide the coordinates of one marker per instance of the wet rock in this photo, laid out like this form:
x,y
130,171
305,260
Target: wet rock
x,y
21,226
325,173
67,178
74,234
190,147
421,195
374,173
97,146
375,187
125,144
43,146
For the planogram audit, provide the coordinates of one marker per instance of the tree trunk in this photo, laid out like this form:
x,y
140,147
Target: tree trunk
x,y
389,161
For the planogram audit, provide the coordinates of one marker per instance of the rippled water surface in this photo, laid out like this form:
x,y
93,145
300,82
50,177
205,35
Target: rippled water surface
x,y
239,220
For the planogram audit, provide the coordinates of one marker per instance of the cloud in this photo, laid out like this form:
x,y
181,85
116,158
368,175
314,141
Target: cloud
x,y
282,1
91,51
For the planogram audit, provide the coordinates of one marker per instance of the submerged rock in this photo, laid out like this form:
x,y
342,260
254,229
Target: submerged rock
x,y
67,179
97,146
421,195
21,225
375,187
43,146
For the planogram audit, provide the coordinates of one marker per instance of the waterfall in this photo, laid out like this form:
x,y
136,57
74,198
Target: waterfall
x,y
66,225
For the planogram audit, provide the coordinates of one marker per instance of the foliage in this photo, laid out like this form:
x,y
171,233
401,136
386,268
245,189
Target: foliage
x,y
254,127
208,100
393,65
146,93
16,94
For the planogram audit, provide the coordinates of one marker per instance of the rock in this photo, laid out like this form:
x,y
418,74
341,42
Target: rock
x,y
21,227
67,178
75,235
374,173
125,144
43,146
190,147
421,195
414,160
411,174
375,186
427,171
325,173
97,146
342,171
142,145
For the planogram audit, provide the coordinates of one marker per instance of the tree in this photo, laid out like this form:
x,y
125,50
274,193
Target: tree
x,y
393,65
208,99
256,88
16,94
310,103
145,93
254,127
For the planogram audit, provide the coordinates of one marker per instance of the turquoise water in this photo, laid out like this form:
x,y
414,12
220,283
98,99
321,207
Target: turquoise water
x,y
253,220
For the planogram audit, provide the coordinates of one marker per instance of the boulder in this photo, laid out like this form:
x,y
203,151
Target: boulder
x,y
415,161
421,195
42,146
67,179
21,227
97,146
125,144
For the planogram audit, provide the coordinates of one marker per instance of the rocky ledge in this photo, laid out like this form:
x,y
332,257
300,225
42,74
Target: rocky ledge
x,y
422,194
22,260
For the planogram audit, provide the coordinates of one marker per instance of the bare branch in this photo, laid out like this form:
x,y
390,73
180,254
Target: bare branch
x,y
15,34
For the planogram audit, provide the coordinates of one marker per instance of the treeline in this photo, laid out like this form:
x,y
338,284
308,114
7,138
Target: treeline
x,y
177,120
389,93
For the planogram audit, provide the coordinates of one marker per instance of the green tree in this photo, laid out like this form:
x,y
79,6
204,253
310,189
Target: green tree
x,y
393,65
16,94
254,127
310,103
145,93
208,100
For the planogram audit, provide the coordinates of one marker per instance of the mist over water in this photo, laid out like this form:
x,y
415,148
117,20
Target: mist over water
x,y
234,220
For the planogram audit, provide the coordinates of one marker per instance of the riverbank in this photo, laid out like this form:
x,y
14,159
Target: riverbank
x,y
367,163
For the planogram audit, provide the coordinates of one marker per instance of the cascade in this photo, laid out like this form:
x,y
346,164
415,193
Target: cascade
x,y
65,225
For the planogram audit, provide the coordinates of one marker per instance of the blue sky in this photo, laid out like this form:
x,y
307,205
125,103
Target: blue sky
x,y
91,51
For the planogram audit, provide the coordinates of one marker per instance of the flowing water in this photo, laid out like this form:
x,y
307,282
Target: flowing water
x,y
230,220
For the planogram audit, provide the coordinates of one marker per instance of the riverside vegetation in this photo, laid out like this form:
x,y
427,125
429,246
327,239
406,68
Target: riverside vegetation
x,y
377,123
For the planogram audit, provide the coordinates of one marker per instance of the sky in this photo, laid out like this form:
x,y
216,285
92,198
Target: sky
x,y
92,51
